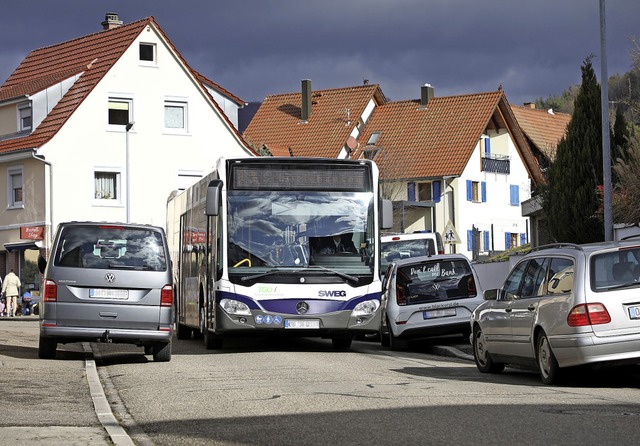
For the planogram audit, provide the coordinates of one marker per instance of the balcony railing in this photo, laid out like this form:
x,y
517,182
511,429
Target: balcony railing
x,y
496,163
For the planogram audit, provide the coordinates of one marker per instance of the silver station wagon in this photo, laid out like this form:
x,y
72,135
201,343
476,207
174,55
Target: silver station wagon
x,y
561,306
107,282
427,296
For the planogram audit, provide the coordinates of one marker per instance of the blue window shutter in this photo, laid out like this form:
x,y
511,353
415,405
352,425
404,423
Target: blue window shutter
x,y
486,240
523,239
469,190
436,191
487,146
514,195
507,240
469,240
411,191
483,186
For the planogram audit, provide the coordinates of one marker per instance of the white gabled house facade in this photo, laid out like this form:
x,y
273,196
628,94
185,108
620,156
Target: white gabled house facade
x,y
111,148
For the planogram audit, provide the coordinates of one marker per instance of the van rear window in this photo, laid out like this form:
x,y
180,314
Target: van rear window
x,y
436,281
115,247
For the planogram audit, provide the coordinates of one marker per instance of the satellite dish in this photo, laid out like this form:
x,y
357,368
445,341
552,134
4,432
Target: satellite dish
x,y
352,143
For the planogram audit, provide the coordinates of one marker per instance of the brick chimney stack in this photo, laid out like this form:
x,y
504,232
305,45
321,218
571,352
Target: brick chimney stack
x,y
111,20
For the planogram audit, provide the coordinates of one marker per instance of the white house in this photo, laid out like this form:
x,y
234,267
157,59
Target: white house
x,y
104,127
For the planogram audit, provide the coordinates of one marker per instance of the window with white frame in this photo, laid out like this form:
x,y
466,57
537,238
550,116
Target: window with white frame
x,y
120,111
175,115
107,185
15,192
25,117
147,53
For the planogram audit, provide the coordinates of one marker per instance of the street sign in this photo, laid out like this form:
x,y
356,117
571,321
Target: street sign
x,y
450,235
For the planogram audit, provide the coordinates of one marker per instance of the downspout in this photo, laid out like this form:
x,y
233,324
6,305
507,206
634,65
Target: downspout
x,y
51,228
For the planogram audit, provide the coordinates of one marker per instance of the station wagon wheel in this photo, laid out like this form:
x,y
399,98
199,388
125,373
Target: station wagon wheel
x,y
47,348
481,355
547,363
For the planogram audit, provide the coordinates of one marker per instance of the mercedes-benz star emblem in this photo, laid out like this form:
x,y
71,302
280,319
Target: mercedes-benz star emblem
x,y
109,277
302,307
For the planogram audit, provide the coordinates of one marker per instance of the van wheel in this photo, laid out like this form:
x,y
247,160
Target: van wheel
x,y
547,363
162,352
47,348
341,343
481,355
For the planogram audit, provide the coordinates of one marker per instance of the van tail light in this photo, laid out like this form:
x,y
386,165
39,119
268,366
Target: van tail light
x,y
401,297
50,291
166,296
588,314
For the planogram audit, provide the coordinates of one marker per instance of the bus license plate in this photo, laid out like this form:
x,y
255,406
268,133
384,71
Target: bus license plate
x,y
433,314
108,293
302,323
634,312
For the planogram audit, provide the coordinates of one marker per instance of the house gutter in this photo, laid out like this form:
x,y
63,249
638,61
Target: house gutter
x,y
41,158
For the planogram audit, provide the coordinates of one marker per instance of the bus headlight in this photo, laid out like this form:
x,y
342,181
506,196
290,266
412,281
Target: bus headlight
x,y
235,307
366,308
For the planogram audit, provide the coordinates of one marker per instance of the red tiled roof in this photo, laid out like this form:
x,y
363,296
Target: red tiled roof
x,y
92,55
334,114
438,140
544,129
223,91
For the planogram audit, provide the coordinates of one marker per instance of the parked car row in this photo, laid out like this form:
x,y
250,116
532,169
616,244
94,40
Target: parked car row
x,y
561,306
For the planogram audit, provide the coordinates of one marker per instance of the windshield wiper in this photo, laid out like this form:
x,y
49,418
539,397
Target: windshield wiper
x,y
259,275
333,271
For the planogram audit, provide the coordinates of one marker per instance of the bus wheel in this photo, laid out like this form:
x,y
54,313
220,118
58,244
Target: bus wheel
x,y
341,343
182,331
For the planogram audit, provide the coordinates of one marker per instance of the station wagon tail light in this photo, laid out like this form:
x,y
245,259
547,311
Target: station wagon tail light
x,y
588,314
166,296
50,291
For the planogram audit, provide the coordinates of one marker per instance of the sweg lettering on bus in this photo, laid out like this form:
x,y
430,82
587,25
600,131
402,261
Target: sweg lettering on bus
x,y
340,293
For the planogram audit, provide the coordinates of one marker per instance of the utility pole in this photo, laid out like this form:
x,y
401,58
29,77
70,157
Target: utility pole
x,y
606,149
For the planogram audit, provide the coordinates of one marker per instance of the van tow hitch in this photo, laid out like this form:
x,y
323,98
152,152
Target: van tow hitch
x,y
105,337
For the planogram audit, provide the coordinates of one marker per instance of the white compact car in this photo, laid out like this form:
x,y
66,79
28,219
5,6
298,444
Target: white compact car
x,y
427,296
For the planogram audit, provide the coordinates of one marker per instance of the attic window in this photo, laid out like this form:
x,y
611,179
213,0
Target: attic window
x,y
25,117
373,139
147,52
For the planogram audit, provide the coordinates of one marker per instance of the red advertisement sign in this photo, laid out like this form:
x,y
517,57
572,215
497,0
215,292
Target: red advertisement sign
x,y
32,232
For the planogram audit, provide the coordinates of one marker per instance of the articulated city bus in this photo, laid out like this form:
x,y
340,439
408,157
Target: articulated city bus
x,y
271,245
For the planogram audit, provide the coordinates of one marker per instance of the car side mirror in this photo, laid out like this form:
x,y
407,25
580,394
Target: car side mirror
x,y
490,294
42,264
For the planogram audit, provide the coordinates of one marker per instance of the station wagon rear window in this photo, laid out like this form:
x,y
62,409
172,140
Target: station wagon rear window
x,y
111,247
437,280
615,269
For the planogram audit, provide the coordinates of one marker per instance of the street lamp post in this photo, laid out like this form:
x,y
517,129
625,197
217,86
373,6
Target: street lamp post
x,y
127,166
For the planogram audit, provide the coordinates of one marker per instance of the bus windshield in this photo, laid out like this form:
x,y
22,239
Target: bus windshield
x,y
284,230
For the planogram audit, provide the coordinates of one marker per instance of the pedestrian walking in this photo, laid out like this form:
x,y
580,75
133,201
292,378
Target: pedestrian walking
x,y
11,290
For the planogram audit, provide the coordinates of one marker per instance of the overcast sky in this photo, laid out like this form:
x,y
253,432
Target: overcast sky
x,y
256,48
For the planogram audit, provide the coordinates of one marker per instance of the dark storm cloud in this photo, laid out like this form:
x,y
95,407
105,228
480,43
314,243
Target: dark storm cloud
x,y
255,48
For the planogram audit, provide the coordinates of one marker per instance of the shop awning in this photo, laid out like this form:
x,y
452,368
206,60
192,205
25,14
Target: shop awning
x,y
20,246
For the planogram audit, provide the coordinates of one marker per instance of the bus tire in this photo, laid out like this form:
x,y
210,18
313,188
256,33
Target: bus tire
x,y
211,341
342,342
182,331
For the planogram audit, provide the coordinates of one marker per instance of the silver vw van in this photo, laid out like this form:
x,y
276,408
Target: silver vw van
x,y
107,282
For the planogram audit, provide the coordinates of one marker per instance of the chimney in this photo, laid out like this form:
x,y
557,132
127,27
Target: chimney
x,y
305,111
531,105
111,20
426,93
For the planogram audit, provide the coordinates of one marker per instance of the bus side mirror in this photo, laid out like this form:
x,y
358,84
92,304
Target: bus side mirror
x,y
387,214
214,193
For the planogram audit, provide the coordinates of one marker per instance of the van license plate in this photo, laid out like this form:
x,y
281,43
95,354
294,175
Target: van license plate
x,y
433,314
108,293
634,312
302,323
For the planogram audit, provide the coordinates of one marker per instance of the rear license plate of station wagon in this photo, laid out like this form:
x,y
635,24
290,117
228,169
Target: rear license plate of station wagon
x,y
433,314
634,312
108,293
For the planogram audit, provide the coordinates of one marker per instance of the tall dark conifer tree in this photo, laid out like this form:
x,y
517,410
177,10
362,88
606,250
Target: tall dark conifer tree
x,y
571,200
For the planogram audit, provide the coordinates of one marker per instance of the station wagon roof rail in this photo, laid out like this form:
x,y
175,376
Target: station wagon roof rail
x,y
557,245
